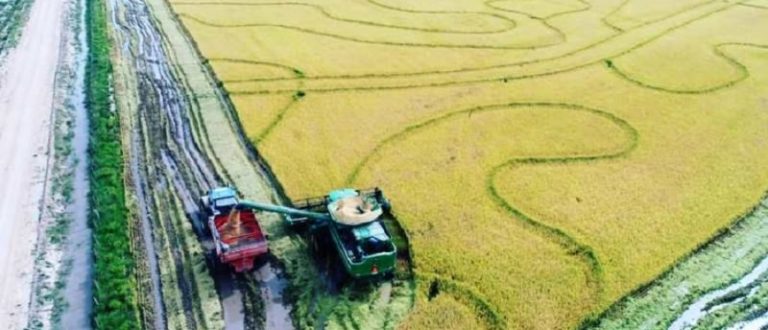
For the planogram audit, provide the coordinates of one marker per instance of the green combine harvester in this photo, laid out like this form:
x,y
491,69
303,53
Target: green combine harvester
x,y
354,219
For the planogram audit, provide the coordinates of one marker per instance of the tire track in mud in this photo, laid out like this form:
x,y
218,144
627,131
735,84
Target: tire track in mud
x,y
169,165
163,134
166,163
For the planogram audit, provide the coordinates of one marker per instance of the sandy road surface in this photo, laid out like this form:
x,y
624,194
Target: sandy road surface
x,y
26,92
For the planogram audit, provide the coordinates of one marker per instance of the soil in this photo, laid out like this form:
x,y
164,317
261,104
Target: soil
x,y
166,159
26,96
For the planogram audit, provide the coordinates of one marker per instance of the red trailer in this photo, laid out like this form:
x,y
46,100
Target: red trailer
x,y
238,238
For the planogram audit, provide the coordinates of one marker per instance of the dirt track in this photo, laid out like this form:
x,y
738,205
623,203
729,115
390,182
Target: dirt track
x,y
26,92
169,170
165,163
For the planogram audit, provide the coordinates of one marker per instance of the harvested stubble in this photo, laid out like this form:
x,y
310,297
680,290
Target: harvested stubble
x,y
539,178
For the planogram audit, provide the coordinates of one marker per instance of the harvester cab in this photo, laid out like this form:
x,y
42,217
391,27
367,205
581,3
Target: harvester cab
x,y
357,230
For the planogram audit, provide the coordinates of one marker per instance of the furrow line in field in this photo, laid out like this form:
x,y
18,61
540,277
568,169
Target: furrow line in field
x,y
362,40
573,246
613,46
719,51
509,22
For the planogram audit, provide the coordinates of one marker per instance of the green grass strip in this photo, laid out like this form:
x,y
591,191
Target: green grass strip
x,y
114,281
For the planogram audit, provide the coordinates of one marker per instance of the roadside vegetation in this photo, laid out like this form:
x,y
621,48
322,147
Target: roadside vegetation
x,y
52,265
114,287
541,163
13,13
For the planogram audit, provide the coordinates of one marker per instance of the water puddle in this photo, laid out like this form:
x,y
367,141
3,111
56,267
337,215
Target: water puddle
x,y
698,309
272,285
756,324
78,288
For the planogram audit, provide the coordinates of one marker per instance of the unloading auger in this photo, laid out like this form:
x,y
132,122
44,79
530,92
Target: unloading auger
x,y
353,218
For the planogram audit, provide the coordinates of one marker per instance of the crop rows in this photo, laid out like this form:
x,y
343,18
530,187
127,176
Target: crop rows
x,y
501,72
114,287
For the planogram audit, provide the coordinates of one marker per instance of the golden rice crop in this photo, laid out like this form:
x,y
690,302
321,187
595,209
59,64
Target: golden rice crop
x,y
443,312
545,158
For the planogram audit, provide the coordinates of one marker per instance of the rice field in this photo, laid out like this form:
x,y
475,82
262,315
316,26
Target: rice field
x,y
545,158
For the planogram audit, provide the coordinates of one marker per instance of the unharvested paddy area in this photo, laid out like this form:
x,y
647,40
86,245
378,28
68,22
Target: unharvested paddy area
x,y
545,158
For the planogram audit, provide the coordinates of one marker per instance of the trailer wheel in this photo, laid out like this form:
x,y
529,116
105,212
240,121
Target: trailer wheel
x,y
197,223
216,265
210,260
201,224
206,227
205,204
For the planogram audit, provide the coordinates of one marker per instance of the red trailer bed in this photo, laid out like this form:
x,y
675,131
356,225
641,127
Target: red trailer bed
x,y
239,239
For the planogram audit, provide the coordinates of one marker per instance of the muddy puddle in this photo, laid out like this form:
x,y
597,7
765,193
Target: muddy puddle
x,y
77,292
180,168
702,306
272,284
756,324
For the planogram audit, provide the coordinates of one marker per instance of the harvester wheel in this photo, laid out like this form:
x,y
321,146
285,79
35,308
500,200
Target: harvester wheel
x,y
385,204
315,245
337,274
320,241
388,276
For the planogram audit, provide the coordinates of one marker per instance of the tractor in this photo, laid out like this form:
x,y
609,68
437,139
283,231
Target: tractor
x,y
354,219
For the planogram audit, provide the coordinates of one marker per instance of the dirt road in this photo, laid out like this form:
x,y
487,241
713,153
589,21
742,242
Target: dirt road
x,y
26,92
